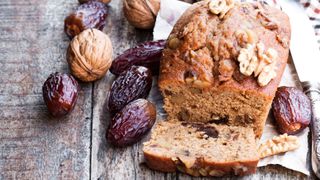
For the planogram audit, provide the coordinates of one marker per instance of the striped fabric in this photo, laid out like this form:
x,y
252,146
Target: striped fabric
x,y
312,8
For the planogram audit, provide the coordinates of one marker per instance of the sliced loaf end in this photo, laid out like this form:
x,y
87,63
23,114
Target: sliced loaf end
x,y
201,149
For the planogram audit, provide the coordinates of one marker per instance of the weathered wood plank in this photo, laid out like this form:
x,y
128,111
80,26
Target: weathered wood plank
x,y
126,163
33,145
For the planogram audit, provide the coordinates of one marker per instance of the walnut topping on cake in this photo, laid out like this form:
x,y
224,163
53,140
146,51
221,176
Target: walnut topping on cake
x,y
246,36
254,59
248,60
220,7
266,21
226,68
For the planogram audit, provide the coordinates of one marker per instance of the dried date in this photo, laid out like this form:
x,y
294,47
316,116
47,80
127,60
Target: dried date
x,y
130,85
146,54
130,124
60,93
88,15
291,109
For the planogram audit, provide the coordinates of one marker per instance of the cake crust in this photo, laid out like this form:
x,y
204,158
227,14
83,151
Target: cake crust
x,y
165,164
203,25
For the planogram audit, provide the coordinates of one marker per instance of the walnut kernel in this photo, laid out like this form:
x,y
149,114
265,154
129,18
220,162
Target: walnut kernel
x,y
278,144
254,59
173,43
220,7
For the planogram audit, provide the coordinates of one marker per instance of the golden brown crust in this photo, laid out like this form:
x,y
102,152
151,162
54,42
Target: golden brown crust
x,y
159,163
198,29
166,164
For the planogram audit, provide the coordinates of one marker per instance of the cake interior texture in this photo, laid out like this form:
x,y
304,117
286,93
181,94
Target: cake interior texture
x,y
223,105
198,149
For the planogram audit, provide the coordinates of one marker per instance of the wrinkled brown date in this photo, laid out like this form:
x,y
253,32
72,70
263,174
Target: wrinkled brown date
x,y
60,93
130,124
291,109
130,85
87,15
85,1
146,54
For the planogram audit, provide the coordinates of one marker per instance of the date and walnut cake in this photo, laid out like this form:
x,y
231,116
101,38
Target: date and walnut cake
x,y
224,63
219,73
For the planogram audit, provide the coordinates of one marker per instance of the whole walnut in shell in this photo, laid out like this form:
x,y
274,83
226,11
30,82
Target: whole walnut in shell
x,y
90,55
141,13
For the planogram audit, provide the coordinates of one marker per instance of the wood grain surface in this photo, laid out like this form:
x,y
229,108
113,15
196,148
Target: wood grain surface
x,y
35,146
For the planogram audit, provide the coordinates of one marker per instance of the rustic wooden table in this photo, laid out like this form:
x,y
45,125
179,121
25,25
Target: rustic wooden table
x,y
35,146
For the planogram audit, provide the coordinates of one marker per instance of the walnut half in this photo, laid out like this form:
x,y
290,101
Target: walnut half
x,y
277,145
220,7
254,59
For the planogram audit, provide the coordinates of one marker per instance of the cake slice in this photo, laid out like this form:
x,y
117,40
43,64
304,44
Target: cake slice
x,y
201,149
224,66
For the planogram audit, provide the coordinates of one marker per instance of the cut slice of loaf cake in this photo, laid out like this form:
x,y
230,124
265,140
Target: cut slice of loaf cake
x,y
225,68
201,149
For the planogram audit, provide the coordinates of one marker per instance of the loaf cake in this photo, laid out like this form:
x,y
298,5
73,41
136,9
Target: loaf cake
x,y
201,149
223,62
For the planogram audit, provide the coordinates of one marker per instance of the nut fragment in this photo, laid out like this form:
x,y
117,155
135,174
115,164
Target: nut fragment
x,y
267,22
141,13
283,41
246,36
216,173
248,60
173,43
201,84
277,145
269,69
291,109
220,7
254,58
190,76
89,55
203,172
267,74
226,68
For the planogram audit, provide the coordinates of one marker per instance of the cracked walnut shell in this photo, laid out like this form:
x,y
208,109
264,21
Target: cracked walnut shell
x,y
90,55
141,13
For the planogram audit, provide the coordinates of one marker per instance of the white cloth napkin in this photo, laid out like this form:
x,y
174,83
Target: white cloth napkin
x,y
170,11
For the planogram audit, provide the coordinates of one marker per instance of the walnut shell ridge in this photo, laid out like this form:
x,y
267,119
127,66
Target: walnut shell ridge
x,y
90,55
141,13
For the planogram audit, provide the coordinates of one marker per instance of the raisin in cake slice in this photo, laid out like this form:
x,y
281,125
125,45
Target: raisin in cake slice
x,y
224,66
201,149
